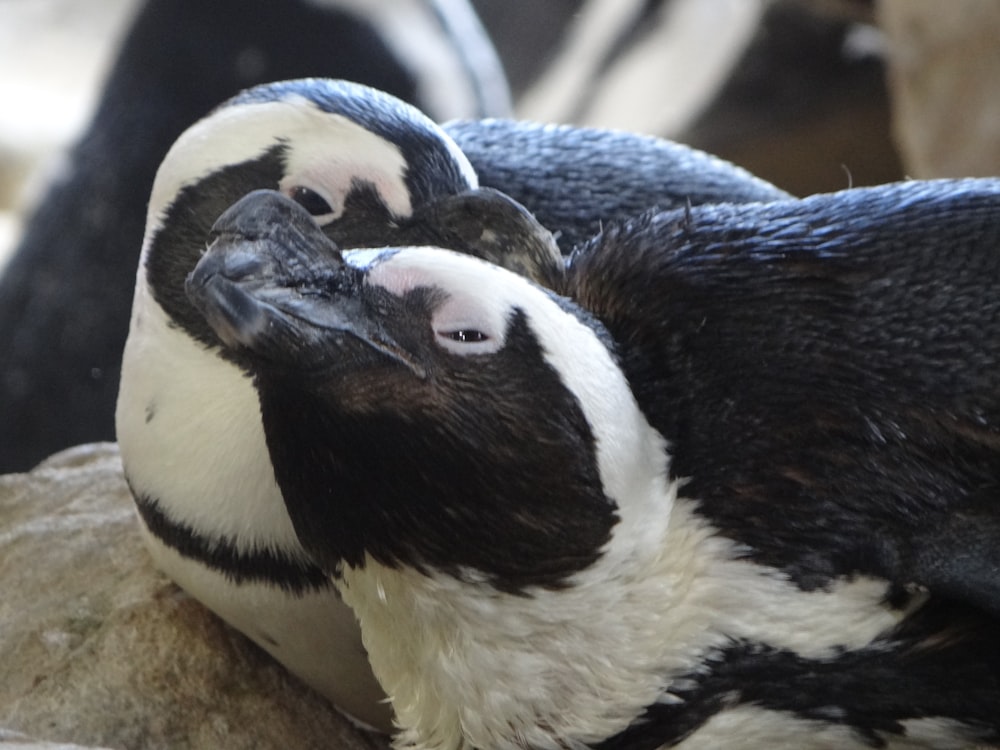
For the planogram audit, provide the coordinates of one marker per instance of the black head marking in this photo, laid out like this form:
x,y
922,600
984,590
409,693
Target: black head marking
x,y
386,441
295,576
185,228
486,466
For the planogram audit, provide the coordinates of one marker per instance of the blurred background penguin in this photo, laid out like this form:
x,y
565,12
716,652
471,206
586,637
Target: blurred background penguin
x,y
812,95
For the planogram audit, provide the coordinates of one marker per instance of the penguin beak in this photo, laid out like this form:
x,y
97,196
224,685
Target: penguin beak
x,y
271,284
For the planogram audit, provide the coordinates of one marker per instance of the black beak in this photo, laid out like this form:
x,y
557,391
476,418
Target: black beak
x,y
271,284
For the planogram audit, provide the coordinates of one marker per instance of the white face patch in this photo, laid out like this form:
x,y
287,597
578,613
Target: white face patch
x,y
464,327
328,156
325,153
468,321
188,425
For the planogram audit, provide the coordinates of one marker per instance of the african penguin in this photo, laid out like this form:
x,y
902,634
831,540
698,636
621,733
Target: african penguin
x,y
735,486
65,296
187,422
373,171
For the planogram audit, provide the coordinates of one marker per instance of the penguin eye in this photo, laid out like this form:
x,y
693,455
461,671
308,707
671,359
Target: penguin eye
x,y
465,335
467,341
311,201
465,326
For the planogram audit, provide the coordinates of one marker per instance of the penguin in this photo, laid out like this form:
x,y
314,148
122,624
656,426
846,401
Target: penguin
x,y
372,171
65,295
577,179
733,482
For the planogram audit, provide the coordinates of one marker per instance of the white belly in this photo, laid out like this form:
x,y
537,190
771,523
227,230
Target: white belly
x,y
191,439
314,635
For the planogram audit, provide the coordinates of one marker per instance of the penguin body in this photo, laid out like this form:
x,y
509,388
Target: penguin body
x,y
564,173
186,422
737,486
372,171
874,335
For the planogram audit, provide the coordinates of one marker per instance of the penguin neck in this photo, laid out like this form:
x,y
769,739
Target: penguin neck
x,y
468,665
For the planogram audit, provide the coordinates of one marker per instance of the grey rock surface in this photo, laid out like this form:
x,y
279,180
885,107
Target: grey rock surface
x,y
18,741
98,648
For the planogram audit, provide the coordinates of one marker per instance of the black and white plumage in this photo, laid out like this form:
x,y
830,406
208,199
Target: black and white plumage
x,y
374,172
187,422
65,295
737,488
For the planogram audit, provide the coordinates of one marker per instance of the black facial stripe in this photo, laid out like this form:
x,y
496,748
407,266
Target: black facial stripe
x,y
434,474
366,220
260,566
185,229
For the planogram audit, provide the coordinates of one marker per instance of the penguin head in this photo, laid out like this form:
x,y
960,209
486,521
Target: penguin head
x,y
369,168
424,408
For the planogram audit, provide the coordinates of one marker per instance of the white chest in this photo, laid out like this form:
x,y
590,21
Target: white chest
x,y
467,666
191,438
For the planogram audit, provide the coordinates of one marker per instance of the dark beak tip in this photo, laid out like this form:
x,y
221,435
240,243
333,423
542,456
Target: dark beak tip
x,y
200,276
193,284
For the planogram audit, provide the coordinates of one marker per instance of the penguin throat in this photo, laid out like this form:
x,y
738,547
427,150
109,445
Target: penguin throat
x,y
466,665
451,651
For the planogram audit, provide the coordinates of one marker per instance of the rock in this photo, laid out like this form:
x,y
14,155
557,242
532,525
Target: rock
x,y
18,741
944,63
98,648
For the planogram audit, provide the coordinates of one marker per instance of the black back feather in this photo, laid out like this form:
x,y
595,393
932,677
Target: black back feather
x,y
825,371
